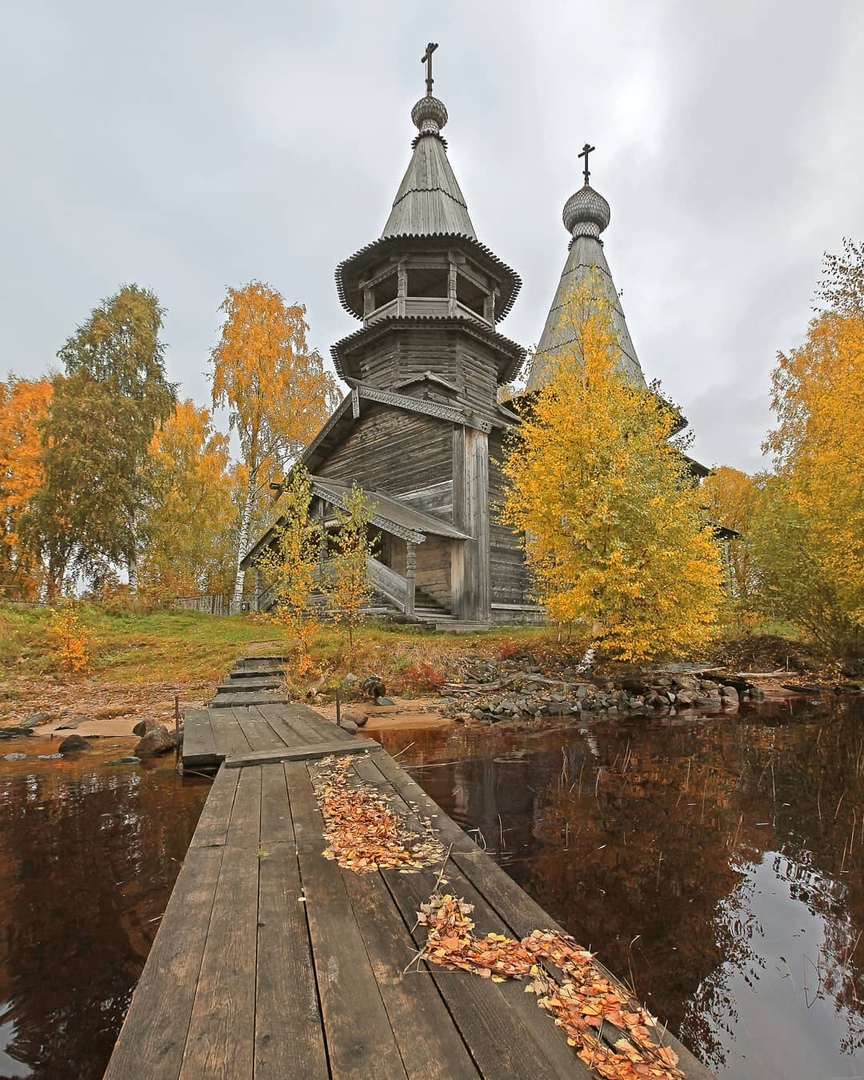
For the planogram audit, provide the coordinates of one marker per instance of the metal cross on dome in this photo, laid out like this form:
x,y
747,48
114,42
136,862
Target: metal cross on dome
x,y
586,150
426,59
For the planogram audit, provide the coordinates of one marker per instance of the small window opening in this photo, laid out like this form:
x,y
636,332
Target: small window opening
x,y
471,295
386,290
432,282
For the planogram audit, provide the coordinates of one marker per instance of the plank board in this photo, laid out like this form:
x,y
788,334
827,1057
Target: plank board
x,y
153,1036
248,686
221,1037
199,746
347,988
259,733
429,1043
298,723
301,753
289,1041
261,697
227,734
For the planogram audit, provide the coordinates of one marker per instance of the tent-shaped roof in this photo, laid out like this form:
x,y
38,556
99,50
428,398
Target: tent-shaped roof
x,y
429,199
586,215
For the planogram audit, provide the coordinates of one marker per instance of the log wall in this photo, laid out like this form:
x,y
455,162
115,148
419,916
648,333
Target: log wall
x,y
510,574
392,451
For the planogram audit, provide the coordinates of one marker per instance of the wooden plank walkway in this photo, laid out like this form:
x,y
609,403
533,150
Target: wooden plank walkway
x,y
271,961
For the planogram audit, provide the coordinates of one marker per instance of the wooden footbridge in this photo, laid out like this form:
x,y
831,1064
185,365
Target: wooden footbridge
x,y
272,962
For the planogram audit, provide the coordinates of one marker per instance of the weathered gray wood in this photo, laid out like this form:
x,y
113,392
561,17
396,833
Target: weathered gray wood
x,y
248,686
259,733
289,1039
153,1036
221,1038
297,723
199,746
227,734
302,753
212,828
360,1042
262,697
429,1043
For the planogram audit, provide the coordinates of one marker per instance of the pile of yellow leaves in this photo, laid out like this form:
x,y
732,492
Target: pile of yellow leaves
x,y
585,1003
363,832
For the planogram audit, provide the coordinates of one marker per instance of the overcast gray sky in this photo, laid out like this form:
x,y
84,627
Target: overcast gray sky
x,y
188,145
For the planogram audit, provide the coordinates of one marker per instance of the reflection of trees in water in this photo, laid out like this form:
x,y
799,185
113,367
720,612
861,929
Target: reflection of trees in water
x,y
638,835
713,1006
88,857
657,830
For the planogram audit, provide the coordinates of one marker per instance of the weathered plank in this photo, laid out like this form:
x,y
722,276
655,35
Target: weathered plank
x,y
258,731
360,1042
227,734
153,1035
299,723
301,753
248,686
220,1043
429,1043
199,746
289,1039
261,697
215,817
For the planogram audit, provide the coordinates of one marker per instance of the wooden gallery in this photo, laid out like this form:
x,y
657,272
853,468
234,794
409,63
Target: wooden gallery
x,y
422,427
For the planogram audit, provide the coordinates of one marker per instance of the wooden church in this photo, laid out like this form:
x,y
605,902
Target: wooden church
x,y
422,429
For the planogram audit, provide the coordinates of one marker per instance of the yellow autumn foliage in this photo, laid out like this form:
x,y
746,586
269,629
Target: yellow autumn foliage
x,y
613,529
810,535
24,405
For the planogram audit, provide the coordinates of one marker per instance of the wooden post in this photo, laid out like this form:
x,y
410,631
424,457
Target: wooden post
x,y
410,576
451,290
259,587
177,718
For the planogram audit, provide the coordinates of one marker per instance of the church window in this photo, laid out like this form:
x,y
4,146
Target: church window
x,y
432,281
470,295
386,290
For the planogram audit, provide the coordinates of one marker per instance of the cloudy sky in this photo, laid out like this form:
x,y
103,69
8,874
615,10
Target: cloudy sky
x,y
188,145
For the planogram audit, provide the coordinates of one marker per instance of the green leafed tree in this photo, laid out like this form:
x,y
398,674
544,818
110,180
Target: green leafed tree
x,y
614,533
103,415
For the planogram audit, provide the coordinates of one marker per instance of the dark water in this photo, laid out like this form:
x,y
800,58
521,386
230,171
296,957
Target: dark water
x,y
88,855
715,862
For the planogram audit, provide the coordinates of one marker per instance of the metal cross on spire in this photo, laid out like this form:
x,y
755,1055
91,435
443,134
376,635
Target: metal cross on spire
x,y
426,59
586,150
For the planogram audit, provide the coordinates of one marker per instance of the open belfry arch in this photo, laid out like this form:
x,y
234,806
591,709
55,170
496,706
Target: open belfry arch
x,y
421,429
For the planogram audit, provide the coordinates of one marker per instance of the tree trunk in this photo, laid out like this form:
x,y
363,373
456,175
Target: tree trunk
x,y
132,570
245,518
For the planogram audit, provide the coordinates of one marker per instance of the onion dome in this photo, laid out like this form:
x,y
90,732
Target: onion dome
x,y
586,213
429,115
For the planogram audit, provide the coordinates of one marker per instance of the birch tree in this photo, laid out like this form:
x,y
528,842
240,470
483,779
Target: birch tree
x,y
614,534
275,387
